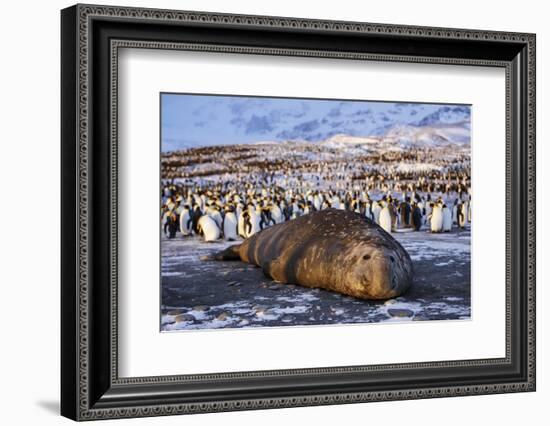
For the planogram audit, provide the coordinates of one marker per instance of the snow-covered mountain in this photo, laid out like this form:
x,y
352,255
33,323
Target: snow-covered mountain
x,y
447,125
342,140
433,135
193,121
446,115
406,136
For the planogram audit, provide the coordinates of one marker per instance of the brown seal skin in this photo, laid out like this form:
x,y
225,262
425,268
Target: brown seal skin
x,y
336,250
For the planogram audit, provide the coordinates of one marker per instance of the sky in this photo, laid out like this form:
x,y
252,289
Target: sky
x,y
191,120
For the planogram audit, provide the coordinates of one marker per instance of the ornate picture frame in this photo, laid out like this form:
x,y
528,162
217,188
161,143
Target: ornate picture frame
x,y
91,37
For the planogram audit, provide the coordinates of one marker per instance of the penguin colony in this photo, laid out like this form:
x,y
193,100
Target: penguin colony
x,y
257,186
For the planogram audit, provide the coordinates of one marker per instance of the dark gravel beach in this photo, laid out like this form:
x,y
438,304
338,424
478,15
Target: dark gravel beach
x,y
199,294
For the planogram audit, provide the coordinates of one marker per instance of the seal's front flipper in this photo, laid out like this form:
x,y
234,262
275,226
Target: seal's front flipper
x,y
275,270
230,253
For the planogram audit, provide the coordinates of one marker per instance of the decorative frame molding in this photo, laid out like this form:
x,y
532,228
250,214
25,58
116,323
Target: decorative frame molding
x,y
87,397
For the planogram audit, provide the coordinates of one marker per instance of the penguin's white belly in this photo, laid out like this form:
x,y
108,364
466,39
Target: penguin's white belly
x,y
447,220
317,203
241,226
437,220
255,222
211,231
465,211
185,223
216,215
385,219
428,213
462,218
376,214
230,226
276,214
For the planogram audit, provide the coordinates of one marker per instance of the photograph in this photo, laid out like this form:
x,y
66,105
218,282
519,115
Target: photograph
x,y
300,212
264,209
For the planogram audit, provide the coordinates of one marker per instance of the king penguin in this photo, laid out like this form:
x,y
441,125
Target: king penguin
x,y
462,212
385,218
208,228
229,224
416,217
436,223
186,221
376,209
447,218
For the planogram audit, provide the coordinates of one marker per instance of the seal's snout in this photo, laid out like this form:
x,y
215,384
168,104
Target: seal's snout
x,y
382,277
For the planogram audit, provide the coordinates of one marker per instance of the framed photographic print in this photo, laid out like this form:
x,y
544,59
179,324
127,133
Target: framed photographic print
x,y
263,212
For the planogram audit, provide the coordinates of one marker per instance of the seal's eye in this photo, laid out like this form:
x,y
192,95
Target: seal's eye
x,y
392,259
366,257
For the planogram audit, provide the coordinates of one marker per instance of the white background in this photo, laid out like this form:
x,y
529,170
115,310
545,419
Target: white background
x,y
29,156
146,352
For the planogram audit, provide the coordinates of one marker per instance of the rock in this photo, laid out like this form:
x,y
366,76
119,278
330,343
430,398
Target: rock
x,y
274,287
232,283
201,308
185,318
262,311
223,316
390,302
287,319
175,312
400,313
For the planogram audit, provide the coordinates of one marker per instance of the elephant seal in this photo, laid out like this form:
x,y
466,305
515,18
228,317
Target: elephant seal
x,y
332,249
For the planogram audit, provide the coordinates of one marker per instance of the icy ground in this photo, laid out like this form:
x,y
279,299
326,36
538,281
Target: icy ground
x,y
199,294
